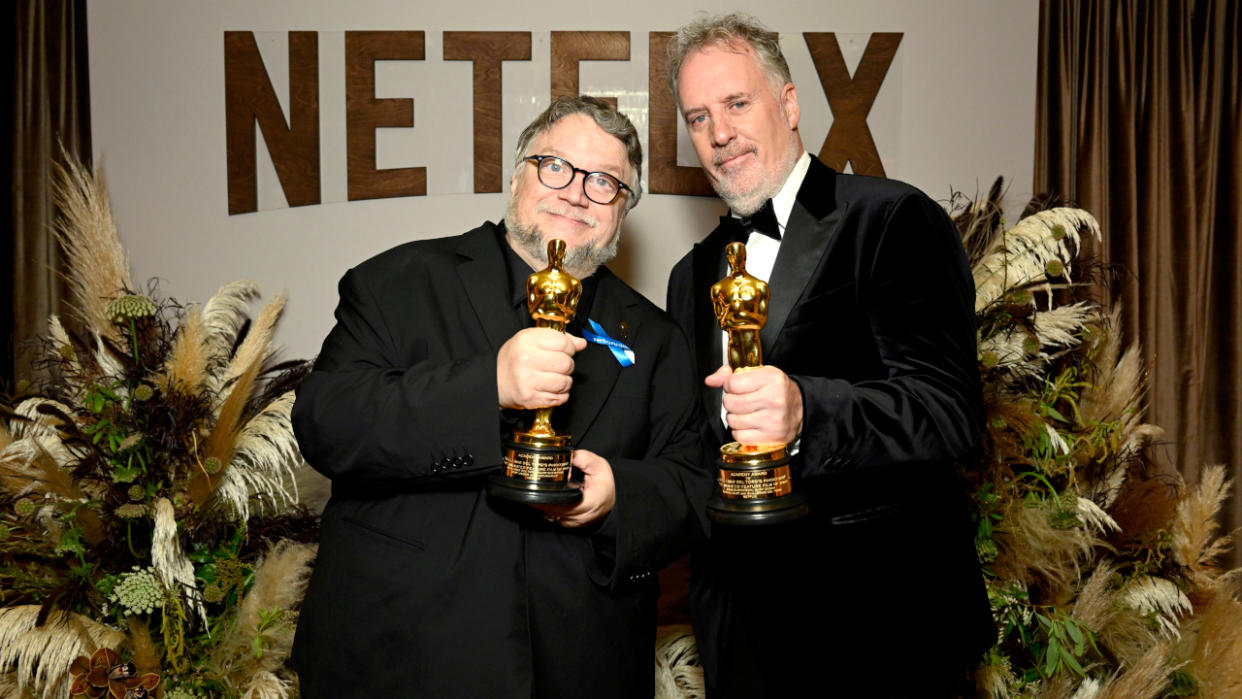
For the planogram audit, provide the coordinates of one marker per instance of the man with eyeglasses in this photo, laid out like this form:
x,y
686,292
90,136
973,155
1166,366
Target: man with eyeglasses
x,y
425,585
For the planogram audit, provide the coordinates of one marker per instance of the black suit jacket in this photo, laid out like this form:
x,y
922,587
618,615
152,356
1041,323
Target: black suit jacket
x,y
426,587
872,314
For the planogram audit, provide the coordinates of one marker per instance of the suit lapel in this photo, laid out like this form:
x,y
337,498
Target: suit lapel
x,y
595,368
807,233
483,276
482,273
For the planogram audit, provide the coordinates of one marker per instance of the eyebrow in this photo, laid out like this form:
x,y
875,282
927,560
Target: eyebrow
x,y
731,97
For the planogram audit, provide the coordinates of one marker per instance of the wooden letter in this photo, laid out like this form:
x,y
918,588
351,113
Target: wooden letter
x,y
571,48
249,98
849,139
664,175
364,113
487,50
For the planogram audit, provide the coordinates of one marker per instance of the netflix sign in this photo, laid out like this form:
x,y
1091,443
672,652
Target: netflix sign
x,y
285,141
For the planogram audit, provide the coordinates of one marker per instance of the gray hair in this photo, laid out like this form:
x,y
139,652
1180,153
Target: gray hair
x,y
734,31
605,116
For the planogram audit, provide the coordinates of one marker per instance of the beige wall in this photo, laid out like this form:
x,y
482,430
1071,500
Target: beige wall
x,y
955,110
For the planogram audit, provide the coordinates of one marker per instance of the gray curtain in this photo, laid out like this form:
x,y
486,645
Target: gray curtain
x,y
51,107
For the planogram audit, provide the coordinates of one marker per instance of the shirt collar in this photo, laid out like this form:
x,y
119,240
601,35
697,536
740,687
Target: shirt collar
x,y
783,202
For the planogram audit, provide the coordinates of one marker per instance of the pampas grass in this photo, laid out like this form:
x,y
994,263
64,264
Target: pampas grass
x,y
266,613
1145,679
268,453
170,561
1195,541
224,317
1027,251
1035,551
41,654
677,669
186,369
1217,656
97,268
1159,600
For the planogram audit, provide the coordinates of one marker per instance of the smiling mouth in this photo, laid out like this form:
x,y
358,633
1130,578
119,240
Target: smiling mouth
x,y
567,216
725,162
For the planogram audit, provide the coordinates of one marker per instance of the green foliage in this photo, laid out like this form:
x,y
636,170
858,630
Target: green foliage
x,y
268,618
1067,643
1182,684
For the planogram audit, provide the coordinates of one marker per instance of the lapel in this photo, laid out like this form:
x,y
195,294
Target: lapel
x,y
709,267
807,233
595,368
482,273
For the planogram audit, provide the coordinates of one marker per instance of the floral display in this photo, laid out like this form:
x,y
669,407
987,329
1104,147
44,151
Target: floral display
x,y
1100,567
151,537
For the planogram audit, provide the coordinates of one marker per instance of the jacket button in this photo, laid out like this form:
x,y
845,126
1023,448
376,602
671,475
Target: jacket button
x,y
467,460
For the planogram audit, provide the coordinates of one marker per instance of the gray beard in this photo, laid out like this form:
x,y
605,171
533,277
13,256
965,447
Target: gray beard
x,y
745,205
581,261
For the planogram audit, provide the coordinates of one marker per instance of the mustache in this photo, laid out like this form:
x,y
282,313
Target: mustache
x,y
567,212
730,151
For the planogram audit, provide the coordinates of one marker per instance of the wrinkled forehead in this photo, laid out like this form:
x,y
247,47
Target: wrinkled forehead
x,y
738,47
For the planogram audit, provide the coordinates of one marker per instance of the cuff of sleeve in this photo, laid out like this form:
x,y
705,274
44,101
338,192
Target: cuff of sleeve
x,y
604,542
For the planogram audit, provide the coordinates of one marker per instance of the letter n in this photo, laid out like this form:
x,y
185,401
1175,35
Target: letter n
x,y
250,99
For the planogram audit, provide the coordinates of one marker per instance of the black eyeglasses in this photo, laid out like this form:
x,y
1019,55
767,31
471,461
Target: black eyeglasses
x,y
558,173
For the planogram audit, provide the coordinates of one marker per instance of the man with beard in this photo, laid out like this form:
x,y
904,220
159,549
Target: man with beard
x,y
425,585
869,374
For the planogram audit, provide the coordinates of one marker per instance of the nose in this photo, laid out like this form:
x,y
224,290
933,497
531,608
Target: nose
x,y
722,131
574,193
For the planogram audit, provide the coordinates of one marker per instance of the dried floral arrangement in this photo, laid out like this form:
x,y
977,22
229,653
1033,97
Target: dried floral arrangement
x,y
151,538
1100,570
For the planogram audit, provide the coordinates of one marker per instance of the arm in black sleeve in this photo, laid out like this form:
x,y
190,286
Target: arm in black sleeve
x,y
917,296
380,407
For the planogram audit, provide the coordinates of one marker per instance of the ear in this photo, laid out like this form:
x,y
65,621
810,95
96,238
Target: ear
x,y
789,103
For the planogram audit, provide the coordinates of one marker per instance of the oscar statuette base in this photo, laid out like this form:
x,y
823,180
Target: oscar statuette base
x,y
754,487
536,471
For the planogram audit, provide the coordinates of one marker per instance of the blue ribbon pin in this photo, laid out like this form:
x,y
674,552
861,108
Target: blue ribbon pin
x,y
624,355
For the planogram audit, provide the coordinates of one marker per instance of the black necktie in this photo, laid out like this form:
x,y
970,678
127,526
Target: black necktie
x,y
763,221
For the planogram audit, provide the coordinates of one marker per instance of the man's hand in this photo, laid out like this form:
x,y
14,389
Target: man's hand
x,y
534,368
599,492
762,405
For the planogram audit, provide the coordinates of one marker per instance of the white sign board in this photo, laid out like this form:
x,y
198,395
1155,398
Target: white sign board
x,y
956,108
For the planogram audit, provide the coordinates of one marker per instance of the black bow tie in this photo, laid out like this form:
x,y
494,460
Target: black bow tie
x,y
763,221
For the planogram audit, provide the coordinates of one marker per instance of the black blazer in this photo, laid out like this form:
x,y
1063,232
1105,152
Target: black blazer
x,y
872,314
426,587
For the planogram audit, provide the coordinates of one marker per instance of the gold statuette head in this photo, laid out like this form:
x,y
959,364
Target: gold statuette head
x,y
552,294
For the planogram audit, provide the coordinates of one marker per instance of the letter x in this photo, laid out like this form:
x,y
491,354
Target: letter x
x,y
849,139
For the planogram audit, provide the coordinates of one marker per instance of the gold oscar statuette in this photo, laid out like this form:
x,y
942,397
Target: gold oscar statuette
x,y
536,460
754,483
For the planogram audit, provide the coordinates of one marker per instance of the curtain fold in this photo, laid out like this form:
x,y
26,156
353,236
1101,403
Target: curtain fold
x,y
51,107
1138,121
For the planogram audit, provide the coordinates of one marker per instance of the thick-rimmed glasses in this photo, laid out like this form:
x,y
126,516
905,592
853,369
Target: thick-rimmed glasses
x,y
559,173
